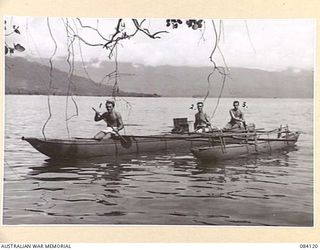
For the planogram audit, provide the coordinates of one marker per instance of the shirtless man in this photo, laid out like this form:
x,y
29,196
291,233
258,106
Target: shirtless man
x,y
202,123
237,118
112,118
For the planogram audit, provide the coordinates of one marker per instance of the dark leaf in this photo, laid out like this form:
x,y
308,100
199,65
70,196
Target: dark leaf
x,y
17,31
11,50
6,50
19,47
14,26
179,21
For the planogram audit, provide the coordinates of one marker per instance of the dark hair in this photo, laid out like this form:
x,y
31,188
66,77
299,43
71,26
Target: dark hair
x,y
235,102
111,102
199,103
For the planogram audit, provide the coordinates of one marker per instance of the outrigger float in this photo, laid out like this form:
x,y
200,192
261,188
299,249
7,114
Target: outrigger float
x,y
259,143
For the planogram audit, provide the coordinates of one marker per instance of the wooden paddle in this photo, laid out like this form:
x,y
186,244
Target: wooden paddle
x,y
95,110
120,136
244,125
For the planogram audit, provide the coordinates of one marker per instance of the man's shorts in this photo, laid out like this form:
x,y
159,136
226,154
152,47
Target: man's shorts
x,y
108,130
203,130
230,126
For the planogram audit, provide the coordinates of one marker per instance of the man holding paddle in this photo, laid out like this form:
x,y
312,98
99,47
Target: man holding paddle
x,y
112,118
237,118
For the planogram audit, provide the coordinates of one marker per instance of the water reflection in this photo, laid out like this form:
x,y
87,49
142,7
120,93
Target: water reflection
x,y
180,165
157,189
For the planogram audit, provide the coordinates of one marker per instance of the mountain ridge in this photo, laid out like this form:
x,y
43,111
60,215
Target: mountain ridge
x,y
172,81
33,78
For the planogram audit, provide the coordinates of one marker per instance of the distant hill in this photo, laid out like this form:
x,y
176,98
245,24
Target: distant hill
x,y
192,81
182,81
26,77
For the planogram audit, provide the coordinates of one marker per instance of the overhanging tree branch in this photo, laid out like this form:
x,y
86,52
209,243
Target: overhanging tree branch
x,y
146,31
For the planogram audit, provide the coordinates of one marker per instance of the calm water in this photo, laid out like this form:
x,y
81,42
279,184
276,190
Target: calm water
x,y
271,190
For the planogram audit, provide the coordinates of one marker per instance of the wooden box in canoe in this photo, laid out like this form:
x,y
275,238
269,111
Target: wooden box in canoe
x,y
245,148
85,148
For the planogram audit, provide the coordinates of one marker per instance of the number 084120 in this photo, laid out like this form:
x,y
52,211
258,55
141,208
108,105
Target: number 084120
x,y
305,246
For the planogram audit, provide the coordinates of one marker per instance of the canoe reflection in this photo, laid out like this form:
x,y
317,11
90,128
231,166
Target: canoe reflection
x,y
104,167
118,169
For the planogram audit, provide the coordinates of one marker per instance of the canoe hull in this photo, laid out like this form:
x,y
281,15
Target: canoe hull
x,y
86,148
234,151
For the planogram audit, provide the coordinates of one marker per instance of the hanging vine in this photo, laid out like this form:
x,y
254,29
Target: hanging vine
x,y
50,78
220,69
70,61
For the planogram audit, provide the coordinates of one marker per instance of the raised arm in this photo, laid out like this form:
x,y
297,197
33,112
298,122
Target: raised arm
x,y
97,117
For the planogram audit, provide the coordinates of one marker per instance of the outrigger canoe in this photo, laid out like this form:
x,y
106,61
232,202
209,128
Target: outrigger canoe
x,y
75,148
244,148
129,144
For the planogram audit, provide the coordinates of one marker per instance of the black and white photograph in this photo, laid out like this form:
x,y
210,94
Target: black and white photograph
x,y
158,121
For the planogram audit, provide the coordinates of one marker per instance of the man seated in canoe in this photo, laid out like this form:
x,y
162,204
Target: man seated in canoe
x,y
112,118
202,123
237,118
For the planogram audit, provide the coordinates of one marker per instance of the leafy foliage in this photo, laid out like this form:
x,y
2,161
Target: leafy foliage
x,y
191,23
16,47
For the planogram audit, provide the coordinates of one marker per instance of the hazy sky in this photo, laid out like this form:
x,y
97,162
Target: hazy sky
x,y
270,44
